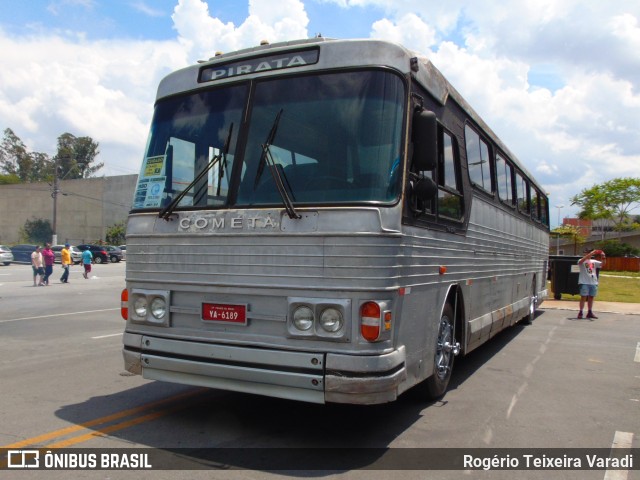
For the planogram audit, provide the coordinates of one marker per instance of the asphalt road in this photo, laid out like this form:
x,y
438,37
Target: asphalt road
x,y
559,383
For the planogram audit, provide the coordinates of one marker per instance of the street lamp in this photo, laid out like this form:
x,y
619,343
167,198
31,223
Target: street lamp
x,y
559,207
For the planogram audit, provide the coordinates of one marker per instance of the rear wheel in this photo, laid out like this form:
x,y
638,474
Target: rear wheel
x,y
445,352
533,305
98,260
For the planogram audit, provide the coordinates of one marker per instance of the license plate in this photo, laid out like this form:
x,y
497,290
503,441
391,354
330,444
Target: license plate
x,y
222,312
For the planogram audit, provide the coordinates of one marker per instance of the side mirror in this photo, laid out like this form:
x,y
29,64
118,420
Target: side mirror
x,y
424,136
425,189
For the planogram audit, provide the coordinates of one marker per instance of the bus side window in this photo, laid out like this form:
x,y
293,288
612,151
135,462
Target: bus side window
x,y
450,198
478,160
504,174
522,190
544,210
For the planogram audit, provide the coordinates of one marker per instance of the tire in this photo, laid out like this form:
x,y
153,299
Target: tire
x,y
436,385
7,264
113,259
533,305
99,260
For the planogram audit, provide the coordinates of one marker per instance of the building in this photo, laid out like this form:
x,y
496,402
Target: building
x,y
85,208
585,227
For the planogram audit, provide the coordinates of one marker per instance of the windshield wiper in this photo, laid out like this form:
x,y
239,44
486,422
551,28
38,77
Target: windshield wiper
x,y
268,142
278,179
267,159
168,210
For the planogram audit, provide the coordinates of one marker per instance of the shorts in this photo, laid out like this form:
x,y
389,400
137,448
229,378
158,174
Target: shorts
x,y
87,267
37,271
588,290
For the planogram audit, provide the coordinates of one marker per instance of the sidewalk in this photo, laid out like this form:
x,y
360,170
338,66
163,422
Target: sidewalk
x,y
604,307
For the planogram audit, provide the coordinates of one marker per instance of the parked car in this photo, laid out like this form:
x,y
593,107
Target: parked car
x,y
124,251
22,253
99,252
76,255
6,256
115,253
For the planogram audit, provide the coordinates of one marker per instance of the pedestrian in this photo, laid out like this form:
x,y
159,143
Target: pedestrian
x,y
87,258
36,264
65,260
588,280
49,258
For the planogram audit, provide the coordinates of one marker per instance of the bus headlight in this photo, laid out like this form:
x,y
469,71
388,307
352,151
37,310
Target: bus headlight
x,y
331,320
303,318
149,306
158,307
140,306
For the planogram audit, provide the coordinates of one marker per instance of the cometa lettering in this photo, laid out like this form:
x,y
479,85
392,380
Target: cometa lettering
x,y
221,223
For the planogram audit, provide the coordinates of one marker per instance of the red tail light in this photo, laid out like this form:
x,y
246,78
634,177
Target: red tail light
x,y
124,304
370,321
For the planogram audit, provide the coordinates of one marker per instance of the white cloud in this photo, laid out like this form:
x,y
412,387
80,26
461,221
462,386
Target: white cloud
x,y
104,90
203,35
409,29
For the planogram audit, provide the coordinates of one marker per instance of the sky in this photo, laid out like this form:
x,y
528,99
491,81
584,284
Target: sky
x,y
557,80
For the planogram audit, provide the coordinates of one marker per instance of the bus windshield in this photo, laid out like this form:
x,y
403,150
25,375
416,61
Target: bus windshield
x,y
333,138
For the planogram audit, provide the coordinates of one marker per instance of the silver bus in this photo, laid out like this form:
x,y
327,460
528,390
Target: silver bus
x,y
325,221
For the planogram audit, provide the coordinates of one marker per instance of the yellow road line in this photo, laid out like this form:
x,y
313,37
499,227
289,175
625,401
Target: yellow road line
x,y
103,420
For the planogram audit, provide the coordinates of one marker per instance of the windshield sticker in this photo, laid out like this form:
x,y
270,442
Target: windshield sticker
x,y
154,166
149,192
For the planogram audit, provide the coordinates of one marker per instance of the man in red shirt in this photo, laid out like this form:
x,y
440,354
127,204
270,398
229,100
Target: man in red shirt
x,y
49,258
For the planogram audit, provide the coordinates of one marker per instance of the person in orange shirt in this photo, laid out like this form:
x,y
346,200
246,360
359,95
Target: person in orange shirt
x,y
65,260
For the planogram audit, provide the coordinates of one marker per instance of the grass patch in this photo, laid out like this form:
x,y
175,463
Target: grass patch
x,y
614,287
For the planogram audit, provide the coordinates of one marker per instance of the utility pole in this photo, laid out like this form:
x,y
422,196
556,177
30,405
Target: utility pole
x,y
54,195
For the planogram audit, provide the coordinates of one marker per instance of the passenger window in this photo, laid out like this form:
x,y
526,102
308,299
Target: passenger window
x,y
478,160
450,198
535,204
504,173
544,210
522,189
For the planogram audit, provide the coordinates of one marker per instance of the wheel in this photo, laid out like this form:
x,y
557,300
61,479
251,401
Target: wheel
x,y
7,264
533,305
99,260
446,350
113,259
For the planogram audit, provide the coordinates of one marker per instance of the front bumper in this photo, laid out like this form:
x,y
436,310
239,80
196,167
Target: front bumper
x,y
304,376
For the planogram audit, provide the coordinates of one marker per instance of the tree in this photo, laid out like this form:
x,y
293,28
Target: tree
x,y
615,248
75,156
572,232
612,200
75,159
9,179
37,231
15,159
115,234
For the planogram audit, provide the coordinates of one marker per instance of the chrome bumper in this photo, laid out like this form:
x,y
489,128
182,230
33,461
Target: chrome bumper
x,y
310,377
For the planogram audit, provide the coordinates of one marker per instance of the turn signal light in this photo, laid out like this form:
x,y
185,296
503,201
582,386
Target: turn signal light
x,y
124,304
370,321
